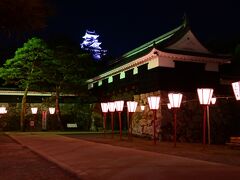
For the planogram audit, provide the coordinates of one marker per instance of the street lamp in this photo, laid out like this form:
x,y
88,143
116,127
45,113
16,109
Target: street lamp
x,y
175,100
132,106
34,111
204,96
119,109
51,110
111,107
104,107
153,102
213,101
236,90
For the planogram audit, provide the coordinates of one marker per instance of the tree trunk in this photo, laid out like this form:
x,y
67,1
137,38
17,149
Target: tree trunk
x,y
58,113
23,110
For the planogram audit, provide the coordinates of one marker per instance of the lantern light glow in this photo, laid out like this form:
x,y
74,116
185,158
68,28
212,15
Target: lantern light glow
x,y
119,105
111,106
34,110
153,102
169,106
131,105
51,110
236,90
175,99
3,110
104,107
213,100
205,95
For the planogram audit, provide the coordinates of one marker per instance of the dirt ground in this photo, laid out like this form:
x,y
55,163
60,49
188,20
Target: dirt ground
x,y
19,163
214,153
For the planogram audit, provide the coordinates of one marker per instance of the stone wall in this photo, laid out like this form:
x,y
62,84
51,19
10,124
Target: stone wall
x,y
142,121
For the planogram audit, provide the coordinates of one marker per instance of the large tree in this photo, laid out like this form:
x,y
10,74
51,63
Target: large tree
x,y
67,72
24,69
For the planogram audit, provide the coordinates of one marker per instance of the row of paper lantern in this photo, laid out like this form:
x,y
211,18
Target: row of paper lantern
x,y
33,109
204,95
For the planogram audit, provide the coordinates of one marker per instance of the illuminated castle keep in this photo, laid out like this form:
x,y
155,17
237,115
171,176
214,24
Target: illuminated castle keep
x,y
90,43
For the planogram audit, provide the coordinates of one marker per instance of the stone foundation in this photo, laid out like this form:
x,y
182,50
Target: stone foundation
x,y
142,121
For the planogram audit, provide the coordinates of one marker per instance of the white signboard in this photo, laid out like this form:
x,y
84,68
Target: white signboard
x,y
72,125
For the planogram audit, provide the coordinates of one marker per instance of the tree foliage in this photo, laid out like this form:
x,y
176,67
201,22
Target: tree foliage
x,y
66,72
24,69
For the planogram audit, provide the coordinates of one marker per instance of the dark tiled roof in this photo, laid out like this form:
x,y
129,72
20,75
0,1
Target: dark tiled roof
x,y
161,43
175,51
144,49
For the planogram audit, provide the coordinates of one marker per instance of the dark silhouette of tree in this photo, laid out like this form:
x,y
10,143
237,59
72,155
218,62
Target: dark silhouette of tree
x,y
67,72
18,17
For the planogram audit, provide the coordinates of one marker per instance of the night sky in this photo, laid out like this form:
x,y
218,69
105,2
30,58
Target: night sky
x,y
124,25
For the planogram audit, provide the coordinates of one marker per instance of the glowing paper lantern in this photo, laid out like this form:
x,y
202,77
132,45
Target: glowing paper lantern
x,y
119,105
104,107
142,107
51,110
34,110
205,95
213,100
111,106
175,99
132,106
236,90
153,102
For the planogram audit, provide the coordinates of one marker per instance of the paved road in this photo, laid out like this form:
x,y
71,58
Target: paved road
x,y
91,160
20,163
